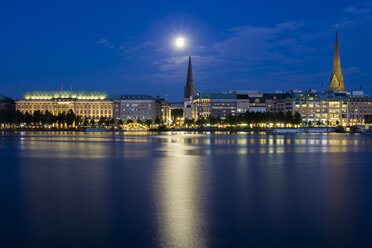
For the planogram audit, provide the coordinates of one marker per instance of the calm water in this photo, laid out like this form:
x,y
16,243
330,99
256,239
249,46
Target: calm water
x,y
185,190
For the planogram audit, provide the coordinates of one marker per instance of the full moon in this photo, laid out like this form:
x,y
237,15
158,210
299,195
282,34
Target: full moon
x,y
180,42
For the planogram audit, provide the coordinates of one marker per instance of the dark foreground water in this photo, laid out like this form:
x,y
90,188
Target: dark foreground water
x,y
183,190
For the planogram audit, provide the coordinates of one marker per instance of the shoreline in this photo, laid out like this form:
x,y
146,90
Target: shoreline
x,y
196,130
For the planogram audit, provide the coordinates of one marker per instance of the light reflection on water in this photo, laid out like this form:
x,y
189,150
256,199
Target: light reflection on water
x,y
180,199
187,190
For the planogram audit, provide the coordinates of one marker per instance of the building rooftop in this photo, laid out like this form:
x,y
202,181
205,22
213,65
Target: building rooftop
x,y
327,94
131,97
216,96
275,95
80,95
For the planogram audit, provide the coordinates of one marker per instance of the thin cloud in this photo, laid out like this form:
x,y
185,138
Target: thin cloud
x,y
257,43
105,43
129,49
355,10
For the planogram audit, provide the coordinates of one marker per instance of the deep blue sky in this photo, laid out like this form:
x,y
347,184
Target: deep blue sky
x,y
125,47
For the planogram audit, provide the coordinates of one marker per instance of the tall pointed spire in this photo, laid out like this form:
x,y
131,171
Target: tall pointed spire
x,y
189,90
337,79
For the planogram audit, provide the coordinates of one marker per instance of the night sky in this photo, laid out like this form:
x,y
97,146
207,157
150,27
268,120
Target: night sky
x,y
126,47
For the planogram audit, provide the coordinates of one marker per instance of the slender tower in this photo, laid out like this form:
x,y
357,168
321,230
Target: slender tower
x,y
337,79
189,90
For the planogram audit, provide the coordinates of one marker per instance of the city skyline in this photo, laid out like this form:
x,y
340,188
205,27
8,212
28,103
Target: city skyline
x,y
233,54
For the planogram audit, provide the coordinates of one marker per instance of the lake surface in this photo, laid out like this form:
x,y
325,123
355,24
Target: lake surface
x,y
185,190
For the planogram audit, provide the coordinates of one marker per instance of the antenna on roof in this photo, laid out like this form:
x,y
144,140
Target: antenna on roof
x,y
62,86
71,87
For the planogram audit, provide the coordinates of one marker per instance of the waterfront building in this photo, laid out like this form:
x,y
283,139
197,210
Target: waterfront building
x,y
177,109
328,108
214,105
257,103
242,103
134,107
278,102
359,107
163,111
87,104
337,79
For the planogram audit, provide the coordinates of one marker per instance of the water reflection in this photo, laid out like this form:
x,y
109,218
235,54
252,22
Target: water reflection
x,y
180,198
188,190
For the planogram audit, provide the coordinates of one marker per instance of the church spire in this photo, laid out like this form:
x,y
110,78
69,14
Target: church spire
x,y
337,79
189,88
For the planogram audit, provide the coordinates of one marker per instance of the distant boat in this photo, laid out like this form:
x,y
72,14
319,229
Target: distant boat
x,y
288,130
319,130
96,129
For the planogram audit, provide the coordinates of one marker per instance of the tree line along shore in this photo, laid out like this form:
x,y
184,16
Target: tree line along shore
x,y
67,120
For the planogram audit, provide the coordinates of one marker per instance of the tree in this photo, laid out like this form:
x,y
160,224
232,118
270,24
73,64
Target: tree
x,y
19,117
297,119
129,121
78,120
28,118
92,122
231,120
201,122
120,122
36,117
148,122
288,118
189,122
175,113
3,116
70,118
139,121
213,120
337,123
48,117
86,122
7,116
61,118
102,121
157,120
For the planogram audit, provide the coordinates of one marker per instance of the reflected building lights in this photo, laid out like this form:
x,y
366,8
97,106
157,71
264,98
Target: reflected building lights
x,y
180,199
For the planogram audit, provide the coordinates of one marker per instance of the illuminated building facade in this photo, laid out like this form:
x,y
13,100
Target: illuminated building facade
x,y
359,106
257,103
278,102
134,107
242,103
214,105
163,111
87,104
325,108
